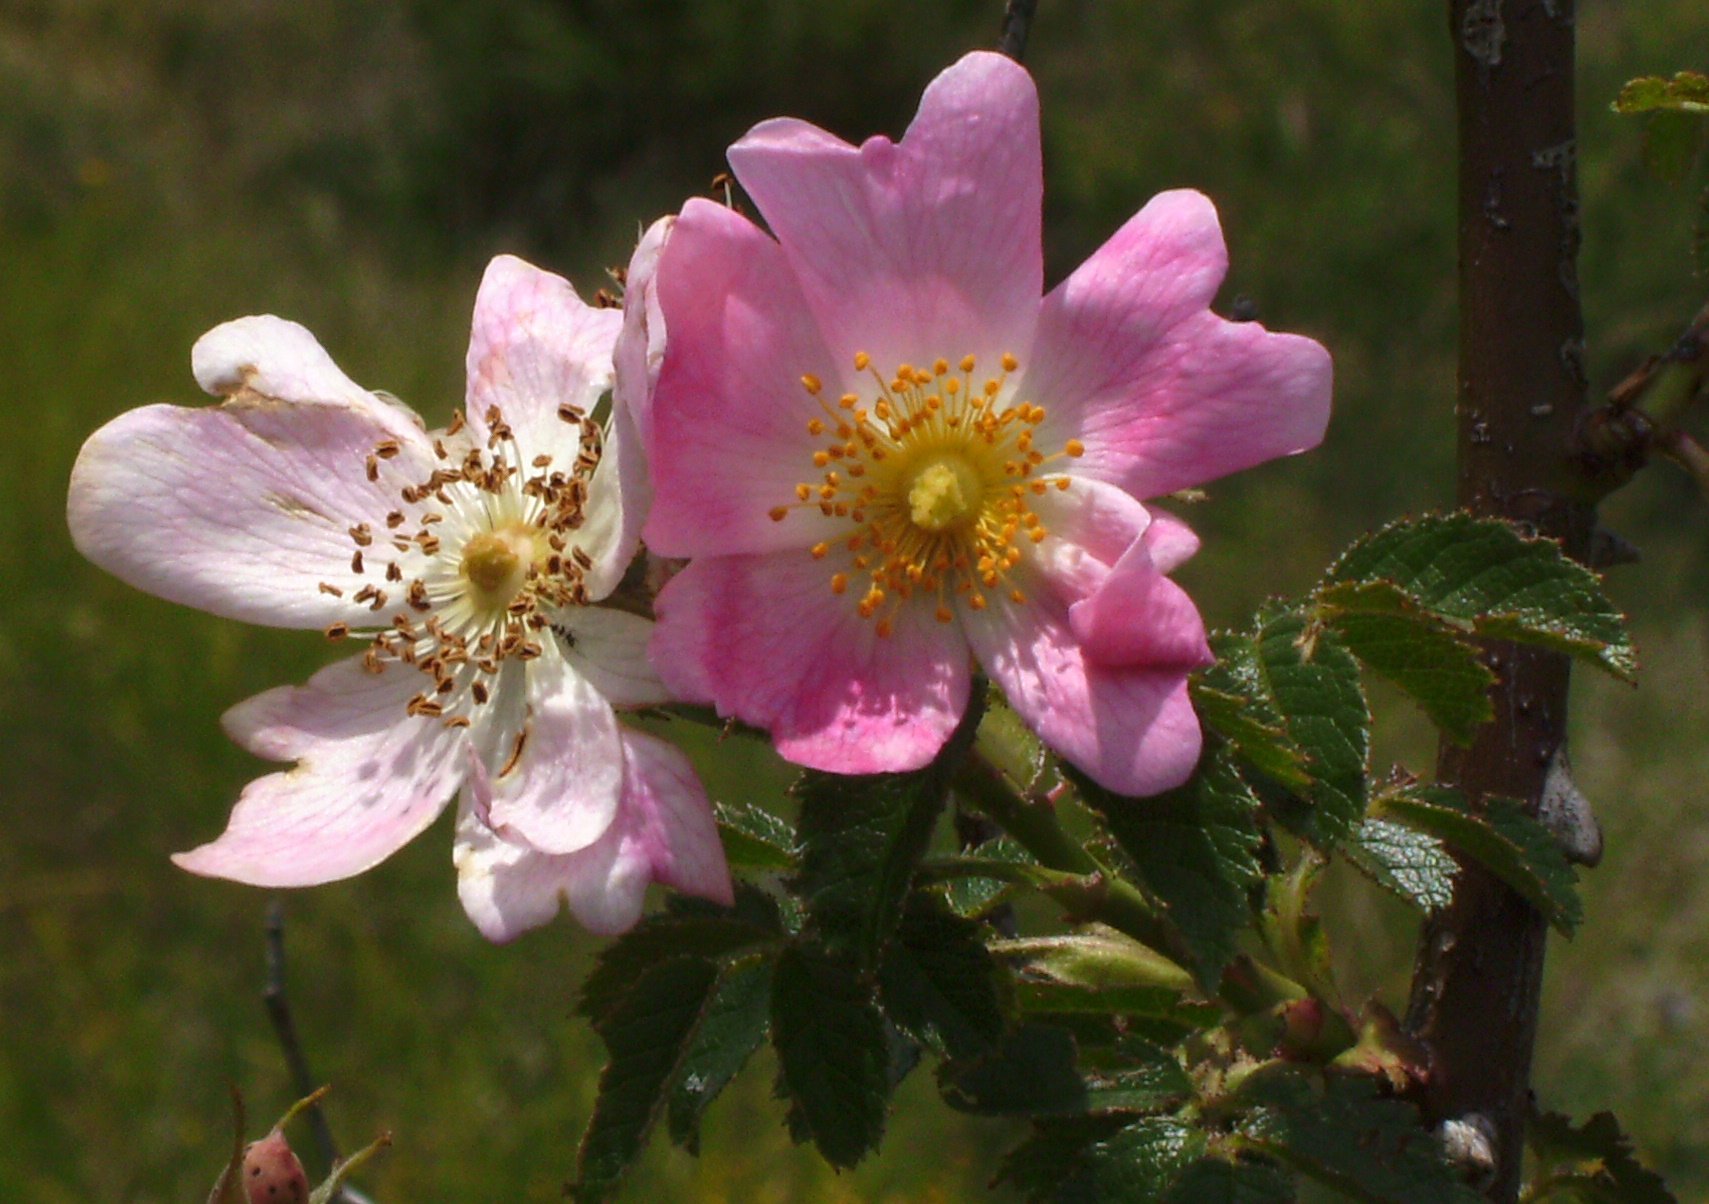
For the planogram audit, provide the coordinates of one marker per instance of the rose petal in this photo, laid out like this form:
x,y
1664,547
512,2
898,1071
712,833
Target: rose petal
x,y
640,350
244,509
1163,393
621,490
729,417
1170,541
1087,529
921,249
368,778
555,778
1137,616
264,361
535,346
765,640
663,833
610,652
1133,730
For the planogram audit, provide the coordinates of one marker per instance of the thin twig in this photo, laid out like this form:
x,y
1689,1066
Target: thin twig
x,y
296,1061
1017,22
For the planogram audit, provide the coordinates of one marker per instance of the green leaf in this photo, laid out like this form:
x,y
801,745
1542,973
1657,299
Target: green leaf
x,y
1251,724
1035,1074
1343,1134
754,838
1306,676
1195,850
973,897
733,1027
1412,864
1485,578
1686,92
833,1051
658,939
1216,1181
1593,1163
1429,661
1083,1163
939,983
646,1035
1507,842
861,839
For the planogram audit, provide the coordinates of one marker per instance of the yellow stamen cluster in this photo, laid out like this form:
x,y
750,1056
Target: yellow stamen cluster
x,y
473,584
935,476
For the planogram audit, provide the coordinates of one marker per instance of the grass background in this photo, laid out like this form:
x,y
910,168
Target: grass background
x,y
167,165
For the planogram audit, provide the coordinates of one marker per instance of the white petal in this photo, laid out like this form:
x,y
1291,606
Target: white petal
x,y
611,653
368,778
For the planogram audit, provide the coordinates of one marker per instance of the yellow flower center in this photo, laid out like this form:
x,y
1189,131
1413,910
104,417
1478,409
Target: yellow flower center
x,y
946,493
936,477
467,571
496,565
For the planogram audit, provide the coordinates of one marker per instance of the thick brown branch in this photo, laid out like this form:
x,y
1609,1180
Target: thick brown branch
x,y
1521,391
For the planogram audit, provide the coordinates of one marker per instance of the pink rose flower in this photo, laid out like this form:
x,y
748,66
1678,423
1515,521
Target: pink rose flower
x,y
471,559
888,457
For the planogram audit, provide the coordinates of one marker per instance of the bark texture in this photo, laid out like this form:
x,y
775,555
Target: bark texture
x,y
1521,389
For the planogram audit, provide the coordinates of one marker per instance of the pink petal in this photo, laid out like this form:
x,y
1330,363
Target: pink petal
x,y
263,361
1137,616
729,416
1132,729
640,351
536,346
765,640
919,249
555,781
368,778
622,491
243,509
610,653
664,833
1088,528
1170,541
1163,393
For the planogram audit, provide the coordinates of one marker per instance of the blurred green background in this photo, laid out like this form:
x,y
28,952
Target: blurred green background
x,y
167,165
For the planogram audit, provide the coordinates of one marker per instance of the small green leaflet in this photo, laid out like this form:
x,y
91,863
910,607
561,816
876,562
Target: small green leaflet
x,y
1592,1163
861,839
1035,1073
1509,843
1302,681
1686,92
1479,577
1306,1125
733,1027
939,983
645,1036
754,838
833,1051
1195,850
1412,864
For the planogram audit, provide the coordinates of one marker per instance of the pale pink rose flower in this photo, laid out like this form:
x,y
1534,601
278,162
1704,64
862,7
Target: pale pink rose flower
x,y
471,561
889,458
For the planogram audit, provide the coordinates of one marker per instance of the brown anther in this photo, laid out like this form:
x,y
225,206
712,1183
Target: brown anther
x,y
331,589
362,535
337,631
373,468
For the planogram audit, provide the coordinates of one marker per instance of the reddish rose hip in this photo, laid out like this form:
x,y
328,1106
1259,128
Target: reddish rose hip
x,y
272,1174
